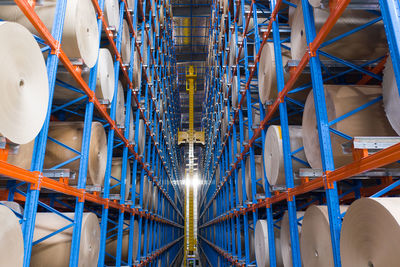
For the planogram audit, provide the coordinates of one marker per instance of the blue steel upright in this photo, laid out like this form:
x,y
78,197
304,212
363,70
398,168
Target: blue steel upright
x,y
335,220
32,194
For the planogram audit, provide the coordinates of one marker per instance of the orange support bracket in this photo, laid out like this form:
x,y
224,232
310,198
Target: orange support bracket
x,y
327,183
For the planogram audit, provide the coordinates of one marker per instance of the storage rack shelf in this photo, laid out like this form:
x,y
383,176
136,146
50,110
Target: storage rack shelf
x,y
222,231
166,222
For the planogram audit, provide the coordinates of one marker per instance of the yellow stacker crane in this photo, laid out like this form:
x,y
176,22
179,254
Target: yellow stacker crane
x,y
190,137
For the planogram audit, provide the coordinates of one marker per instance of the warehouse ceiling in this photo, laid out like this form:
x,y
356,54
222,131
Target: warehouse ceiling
x,y
191,27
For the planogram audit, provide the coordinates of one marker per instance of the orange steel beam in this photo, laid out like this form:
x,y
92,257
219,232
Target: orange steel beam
x,y
76,74
38,181
379,159
377,69
376,160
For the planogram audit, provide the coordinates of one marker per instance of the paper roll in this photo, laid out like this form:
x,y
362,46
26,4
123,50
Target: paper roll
x,y
80,38
111,11
126,43
24,85
70,134
105,82
137,73
225,122
315,241
120,108
12,242
286,244
259,176
267,72
141,136
371,232
233,46
55,251
262,245
235,91
291,11
116,171
131,4
340,100
356,46
131,128
23,158
273,153
111,246
316,3
391,98
252,243
14,206
144,40
155,199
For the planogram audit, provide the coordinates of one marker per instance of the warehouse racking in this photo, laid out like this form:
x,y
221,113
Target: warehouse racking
x,y
224,221
157,163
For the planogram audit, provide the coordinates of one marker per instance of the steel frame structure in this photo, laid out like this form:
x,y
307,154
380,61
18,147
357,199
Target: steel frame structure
x,y
158,163
221,232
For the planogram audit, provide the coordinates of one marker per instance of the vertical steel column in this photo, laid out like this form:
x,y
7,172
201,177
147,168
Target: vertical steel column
x,y
287,152
110,146
32,194
323,133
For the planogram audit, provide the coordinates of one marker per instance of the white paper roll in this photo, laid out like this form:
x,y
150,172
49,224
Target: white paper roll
x,y
267,72
340,100
126,43
142,137
286,244
240,186
371,233
70,134
111,246
120,109
55,251
235,92
225,121
80,37
315,241
155,198
11,239
116,171
111,11
24,85
105,82
251,242
315,3
137,73
391,98
233,47
356,46
143,52
14,206
131,128
259,175
262,245
273,153
146,193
